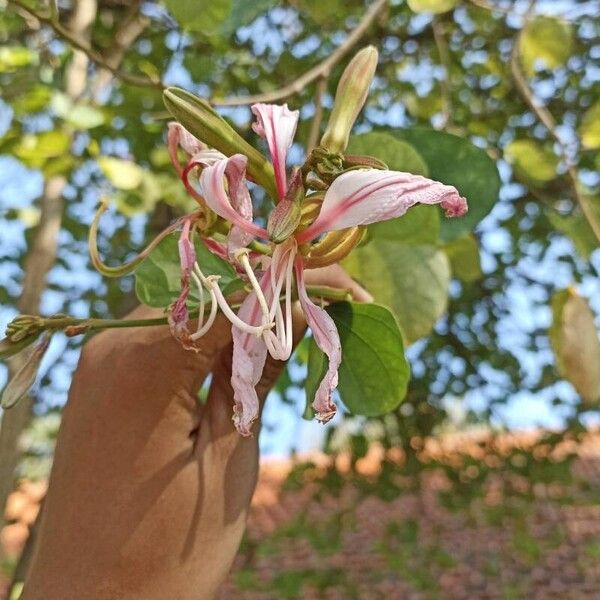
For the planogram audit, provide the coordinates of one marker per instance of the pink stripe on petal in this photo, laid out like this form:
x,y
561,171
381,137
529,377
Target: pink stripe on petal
x,y
277,126
365,196
328,340
236,206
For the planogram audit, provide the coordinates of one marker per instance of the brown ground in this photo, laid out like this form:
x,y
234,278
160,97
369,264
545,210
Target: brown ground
x,y
502,521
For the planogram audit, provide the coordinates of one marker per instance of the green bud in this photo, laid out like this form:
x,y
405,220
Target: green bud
x,y
201,119
350,97
24,326
285,218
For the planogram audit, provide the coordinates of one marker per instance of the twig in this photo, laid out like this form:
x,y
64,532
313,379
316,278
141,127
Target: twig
x,y
92,54
315,125
321,70
445,87
545,116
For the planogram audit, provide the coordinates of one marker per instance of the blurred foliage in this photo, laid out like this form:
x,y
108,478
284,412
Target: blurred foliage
x,y
452,284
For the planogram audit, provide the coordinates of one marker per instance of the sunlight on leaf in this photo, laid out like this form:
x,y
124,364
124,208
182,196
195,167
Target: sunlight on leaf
x,y
575,343
533,162
545,40
123,174
589,130
432,6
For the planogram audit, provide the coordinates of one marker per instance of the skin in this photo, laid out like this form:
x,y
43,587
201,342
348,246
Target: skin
x,y
150,491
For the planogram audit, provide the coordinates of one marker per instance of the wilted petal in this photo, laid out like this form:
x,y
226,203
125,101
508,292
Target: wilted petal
x,y
277,126
327,339
177,314
365,196
233,204
249,355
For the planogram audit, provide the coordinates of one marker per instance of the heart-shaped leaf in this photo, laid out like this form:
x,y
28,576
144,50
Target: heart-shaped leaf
x,y
411,280
374,372
456,161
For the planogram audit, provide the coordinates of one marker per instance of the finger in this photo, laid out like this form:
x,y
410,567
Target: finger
x,y
336,276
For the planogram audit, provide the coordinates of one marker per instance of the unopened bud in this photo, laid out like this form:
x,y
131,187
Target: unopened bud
x,y
24,326
285,218
350,97
202,121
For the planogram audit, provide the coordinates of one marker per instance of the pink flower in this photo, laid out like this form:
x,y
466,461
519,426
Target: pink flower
x,y
263,325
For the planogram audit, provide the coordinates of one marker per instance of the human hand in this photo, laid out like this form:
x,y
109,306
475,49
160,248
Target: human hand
x,y
150,490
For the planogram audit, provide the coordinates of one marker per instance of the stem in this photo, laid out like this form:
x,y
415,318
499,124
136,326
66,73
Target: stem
x,y
80,326
445,86
315,126
545,116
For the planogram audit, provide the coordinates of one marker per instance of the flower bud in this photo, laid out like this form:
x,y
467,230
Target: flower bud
x,y
285,218
24,326
350,97
202,121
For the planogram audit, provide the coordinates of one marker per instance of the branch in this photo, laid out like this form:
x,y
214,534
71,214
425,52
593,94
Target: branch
x,y
319,71
315,126
545,116
445,87
323,69
81,44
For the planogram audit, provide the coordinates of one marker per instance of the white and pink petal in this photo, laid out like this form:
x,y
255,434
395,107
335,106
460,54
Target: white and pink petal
x,y
327,339
276,124
365,196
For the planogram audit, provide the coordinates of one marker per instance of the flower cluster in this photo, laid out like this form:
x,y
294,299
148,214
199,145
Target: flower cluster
x,y
316,221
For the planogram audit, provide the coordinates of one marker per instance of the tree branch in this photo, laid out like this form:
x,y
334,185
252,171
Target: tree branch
x,y
545,116
315,125
323,69
445,87
81,44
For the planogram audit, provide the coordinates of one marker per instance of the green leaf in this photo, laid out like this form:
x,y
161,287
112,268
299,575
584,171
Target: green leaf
x,y
575,343
589,130
21,383
374,372
158,279
123,174
547,40
35,150
410,280
420,225
204,16
396,154
456,161
80,116
243,13
578,230
465,262
14,57
531,161
432,6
